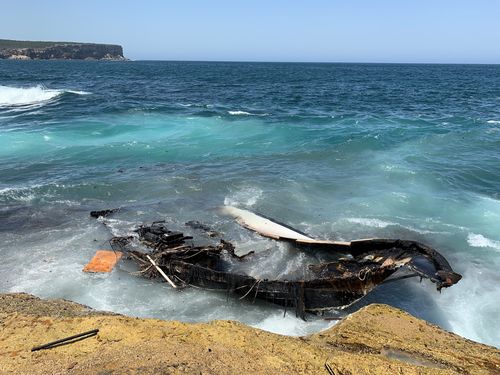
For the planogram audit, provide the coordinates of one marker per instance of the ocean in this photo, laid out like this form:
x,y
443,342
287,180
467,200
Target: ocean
x,y
339,151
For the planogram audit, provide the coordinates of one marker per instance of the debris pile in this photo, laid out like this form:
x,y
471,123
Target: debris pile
x,y
362,266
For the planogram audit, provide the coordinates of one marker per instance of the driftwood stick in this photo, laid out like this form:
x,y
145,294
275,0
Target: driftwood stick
x,y
329,369
66,340
161,272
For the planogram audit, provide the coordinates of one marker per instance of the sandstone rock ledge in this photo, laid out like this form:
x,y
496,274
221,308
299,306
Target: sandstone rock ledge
x,y
378,339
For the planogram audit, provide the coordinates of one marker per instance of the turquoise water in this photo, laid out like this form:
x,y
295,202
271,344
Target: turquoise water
x,y
341,151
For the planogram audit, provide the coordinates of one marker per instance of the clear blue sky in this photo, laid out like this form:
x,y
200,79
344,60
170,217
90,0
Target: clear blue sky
x,y
447,31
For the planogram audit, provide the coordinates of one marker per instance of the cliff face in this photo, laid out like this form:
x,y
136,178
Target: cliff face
x,y
377,339
66,51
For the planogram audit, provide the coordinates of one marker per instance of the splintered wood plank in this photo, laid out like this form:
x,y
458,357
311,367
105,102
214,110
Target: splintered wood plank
x,y
103,261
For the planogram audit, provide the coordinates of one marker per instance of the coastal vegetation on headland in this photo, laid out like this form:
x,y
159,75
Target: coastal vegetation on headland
x,y
8,43
44,50
377,339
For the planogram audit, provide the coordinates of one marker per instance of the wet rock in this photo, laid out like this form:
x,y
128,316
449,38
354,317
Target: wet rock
x,y
103,213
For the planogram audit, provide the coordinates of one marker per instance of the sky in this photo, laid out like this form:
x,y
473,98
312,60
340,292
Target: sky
x,y
418,31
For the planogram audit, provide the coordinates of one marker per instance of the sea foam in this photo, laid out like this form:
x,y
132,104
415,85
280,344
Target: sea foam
x,y
246,197
478,240
375,223
23,96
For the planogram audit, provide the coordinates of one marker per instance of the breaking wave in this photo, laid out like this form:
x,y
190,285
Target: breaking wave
x,y
25,96
493,121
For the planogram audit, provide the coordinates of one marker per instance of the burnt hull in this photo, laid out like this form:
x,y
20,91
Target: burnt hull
x,y
302,295
329,285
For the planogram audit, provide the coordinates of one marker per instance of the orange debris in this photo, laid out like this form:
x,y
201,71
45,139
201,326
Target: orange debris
x,y
103,261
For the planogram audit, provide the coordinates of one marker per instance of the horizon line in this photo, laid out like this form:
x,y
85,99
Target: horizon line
x,y
314,62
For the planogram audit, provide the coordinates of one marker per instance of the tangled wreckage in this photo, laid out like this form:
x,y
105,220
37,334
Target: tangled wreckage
x,y
354,268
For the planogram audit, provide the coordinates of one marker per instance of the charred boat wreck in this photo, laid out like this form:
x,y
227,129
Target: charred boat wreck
x,y
359,266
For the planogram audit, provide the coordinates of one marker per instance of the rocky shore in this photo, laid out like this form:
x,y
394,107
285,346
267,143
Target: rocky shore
x,y
24,50
378,339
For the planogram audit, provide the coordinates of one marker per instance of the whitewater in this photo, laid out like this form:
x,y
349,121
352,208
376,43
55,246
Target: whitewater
x,y
338,151
25,96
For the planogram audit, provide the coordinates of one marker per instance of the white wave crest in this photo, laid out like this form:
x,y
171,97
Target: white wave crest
x,y
493,122
24,96
196,105
244,113
478,240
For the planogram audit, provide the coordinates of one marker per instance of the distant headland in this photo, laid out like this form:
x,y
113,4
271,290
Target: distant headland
x,y
35,50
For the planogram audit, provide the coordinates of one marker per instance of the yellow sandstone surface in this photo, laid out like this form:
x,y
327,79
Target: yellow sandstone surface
x,y
378,339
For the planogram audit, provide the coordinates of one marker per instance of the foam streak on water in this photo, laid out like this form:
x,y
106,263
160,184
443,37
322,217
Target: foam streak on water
x,y
339,151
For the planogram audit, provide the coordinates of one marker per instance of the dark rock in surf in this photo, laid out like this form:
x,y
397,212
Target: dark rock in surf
x,y
103,213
